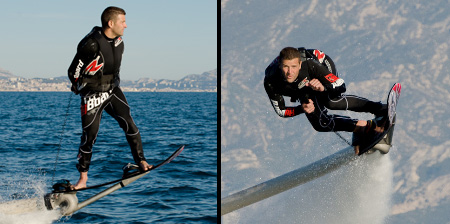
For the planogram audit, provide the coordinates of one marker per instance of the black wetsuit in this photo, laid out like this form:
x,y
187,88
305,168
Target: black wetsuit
x,y
94,74
316,65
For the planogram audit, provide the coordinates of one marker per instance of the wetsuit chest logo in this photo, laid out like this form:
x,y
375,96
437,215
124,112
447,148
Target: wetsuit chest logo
x,y
118,41
93,67
303,83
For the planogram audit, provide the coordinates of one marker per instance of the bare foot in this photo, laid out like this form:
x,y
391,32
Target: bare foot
x,y
360,126
356,148
379,129
364,126
144,166
379,123
81,182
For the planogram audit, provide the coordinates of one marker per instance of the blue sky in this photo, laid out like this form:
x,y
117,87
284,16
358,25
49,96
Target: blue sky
x,y
165,38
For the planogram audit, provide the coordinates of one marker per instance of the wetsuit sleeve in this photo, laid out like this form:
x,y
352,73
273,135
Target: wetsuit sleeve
x,y
333,84
276,99
87,50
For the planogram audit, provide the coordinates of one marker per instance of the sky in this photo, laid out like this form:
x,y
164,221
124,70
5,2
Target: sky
x,y
165,39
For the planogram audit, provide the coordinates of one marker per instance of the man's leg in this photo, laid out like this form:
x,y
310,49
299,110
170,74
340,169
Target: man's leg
x,y
356,104
323,122
120,110
90,121
376,125
359,104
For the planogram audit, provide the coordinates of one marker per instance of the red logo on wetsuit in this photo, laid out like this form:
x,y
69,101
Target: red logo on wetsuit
x,y
289,112
331,77
93,67
320,55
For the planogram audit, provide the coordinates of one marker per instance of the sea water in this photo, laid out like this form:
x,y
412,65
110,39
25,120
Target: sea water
x,y
39,137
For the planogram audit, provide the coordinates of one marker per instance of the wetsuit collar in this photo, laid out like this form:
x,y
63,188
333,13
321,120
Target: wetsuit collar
x,y
100,29
107,38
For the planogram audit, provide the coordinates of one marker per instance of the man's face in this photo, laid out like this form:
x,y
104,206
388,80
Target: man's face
x,y
291,69
119,25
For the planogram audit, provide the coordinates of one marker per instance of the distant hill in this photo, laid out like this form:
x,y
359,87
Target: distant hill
x,y
205,82
5,74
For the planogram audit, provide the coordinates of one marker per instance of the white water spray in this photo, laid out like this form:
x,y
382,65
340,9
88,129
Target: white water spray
x,y
359,192
26,205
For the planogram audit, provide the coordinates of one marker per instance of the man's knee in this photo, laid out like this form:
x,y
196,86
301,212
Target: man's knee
x,y
132,129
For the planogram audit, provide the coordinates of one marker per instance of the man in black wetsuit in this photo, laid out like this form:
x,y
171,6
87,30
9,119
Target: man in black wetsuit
x,y
94,74
310,76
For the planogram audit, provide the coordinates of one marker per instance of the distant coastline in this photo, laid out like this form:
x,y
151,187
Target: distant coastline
x,y
205,82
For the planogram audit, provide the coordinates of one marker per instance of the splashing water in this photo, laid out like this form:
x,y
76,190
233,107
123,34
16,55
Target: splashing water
x,y
359,192
23,201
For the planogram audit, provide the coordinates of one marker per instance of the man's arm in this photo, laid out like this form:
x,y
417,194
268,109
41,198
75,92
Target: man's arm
x,y
332,84
277,101
86,51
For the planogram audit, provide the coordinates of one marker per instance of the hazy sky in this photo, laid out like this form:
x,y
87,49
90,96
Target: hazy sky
x,y
164,39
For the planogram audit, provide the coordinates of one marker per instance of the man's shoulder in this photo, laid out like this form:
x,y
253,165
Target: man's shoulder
x,y
89,45
312,68
92,34
315,54
272,73
273,67
312,63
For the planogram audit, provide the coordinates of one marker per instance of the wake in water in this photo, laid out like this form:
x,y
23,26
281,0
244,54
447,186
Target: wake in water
x,y
359,192
23,202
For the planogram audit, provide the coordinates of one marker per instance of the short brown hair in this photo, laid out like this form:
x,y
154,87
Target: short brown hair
x,y
289,53
111,13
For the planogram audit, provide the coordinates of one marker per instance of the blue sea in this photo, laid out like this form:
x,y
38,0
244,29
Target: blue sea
x,y
34,125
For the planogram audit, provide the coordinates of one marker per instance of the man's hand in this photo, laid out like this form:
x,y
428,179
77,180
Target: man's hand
x,y
308,107
316,85
74,90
